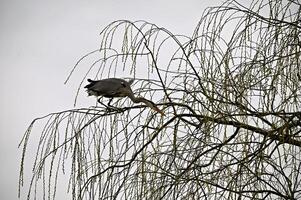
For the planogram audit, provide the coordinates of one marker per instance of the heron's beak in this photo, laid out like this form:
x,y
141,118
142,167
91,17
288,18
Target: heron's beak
x,y
158,110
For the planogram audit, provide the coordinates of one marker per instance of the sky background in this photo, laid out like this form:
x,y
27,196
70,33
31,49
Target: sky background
x,y
40,43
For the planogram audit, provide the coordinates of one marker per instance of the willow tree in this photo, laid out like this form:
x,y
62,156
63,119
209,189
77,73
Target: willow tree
x,y
231,97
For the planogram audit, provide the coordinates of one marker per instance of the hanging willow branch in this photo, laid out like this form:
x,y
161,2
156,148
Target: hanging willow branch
x,y
231,97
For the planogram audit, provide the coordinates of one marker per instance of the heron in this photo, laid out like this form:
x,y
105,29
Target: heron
x,y
116,87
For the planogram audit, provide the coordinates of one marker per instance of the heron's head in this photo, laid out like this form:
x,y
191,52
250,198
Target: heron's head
x,y
153,106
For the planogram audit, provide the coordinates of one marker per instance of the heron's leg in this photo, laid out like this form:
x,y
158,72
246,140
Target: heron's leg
x,y
109,104
109,107
98,100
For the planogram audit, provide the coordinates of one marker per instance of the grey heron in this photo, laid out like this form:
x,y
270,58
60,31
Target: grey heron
x,y
116,87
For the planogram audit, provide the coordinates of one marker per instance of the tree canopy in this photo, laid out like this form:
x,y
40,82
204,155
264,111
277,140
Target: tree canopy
x,y
231,97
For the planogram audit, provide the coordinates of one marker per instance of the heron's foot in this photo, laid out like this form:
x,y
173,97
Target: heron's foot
x,y
114,109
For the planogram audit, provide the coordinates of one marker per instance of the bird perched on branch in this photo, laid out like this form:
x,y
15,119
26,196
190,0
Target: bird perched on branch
x,y
116,87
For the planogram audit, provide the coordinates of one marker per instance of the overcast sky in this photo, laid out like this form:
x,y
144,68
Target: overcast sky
x,y
42,40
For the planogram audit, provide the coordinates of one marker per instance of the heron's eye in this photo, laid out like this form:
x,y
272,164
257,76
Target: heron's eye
x,y
123,84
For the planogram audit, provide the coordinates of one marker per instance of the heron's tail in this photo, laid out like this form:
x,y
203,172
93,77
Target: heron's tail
x,y
91,83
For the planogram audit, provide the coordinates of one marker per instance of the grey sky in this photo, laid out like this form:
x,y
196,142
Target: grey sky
x,y
42,40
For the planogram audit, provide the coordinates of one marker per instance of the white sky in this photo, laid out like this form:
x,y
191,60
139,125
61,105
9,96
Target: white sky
x,y
42,40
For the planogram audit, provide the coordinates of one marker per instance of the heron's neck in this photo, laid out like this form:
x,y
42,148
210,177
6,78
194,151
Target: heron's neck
x,y
146,102
137,99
